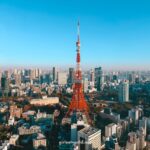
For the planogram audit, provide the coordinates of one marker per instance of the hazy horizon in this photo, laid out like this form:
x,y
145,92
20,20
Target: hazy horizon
x,y
83,67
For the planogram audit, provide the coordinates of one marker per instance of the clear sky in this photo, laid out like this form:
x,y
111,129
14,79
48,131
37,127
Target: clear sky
x,y
43,32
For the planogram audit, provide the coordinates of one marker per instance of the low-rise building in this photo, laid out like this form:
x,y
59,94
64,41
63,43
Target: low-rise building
x,y
26,131
15,111
45,101
39,140
14,139
11,120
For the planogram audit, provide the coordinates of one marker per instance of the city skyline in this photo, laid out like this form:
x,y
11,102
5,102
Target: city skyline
x,y
41,33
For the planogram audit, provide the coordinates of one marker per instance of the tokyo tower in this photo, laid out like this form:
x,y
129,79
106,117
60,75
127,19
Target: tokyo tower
x,y
78,102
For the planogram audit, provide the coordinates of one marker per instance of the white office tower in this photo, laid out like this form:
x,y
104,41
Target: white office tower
x,y
90,138
110,130
143,124
141,139
85,85
135,114
62,78
124,91
132,141
37,72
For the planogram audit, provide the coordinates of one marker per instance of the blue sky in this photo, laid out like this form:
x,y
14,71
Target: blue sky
x,y
43,32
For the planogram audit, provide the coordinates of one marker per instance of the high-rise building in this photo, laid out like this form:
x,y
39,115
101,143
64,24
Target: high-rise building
x,y
99,79
32,74
7,74
26,72
85,84
37,72
5,85
110,130
124,91
141,143
62,78
92,78
135,114
0,76
136,140
131,77
71,76
132,141
54,74
17,79
114,77
90,138
45,78
143,124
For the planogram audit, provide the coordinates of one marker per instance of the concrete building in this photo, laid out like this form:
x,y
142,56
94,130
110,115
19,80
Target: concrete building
x,y
5,85
131,77
17,78
71,76
143,125
141,139
85,85
75,127
11,121
62,78
27,131
32,74
136,140
92,78
99,79
15,111
90,138
14,139
54,74
132,141
37,72
110,130
78,121
39,140
5,145
45,101
148,143
135,114
124,91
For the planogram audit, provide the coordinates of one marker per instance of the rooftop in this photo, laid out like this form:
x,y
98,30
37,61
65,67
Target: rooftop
x,y
15,136
89,130
47,98
111,124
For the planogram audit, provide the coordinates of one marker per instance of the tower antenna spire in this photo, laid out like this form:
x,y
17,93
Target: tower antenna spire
x,y
78,29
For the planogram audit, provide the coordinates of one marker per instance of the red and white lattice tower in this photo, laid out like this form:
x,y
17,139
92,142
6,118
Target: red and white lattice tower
x,y
78,102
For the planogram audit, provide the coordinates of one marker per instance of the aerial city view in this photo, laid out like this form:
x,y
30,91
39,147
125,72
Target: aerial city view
x,y
74,75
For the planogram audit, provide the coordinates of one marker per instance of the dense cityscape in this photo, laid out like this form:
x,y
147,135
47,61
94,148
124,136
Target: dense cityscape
x,y
73,109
